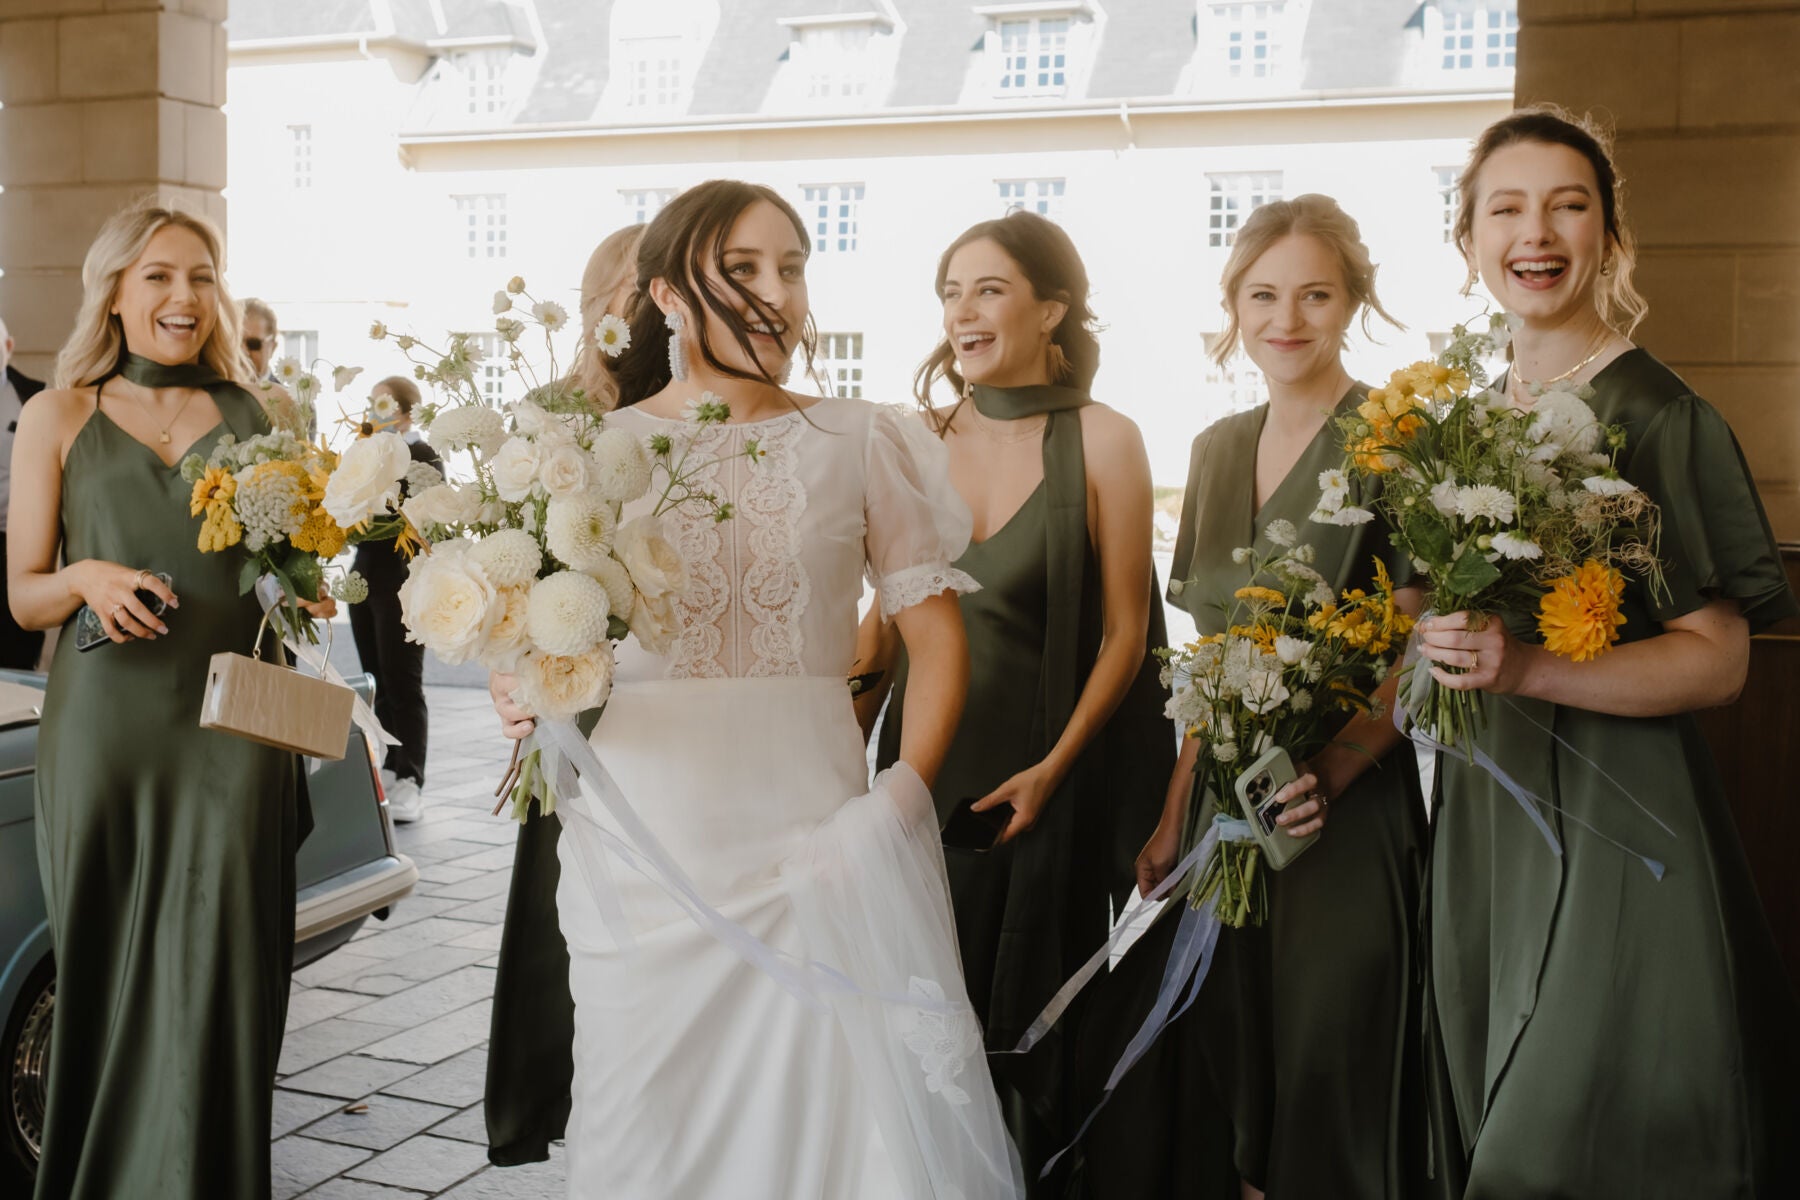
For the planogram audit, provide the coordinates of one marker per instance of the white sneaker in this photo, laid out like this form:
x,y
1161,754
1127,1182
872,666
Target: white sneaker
x,y
388,780
406,803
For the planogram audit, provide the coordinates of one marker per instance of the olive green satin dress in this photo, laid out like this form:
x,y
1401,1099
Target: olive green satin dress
x,y
1304,1039
1605,1034
1028,913
167,857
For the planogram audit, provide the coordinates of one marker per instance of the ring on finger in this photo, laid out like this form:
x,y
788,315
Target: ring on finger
x,y
137,585
1474,660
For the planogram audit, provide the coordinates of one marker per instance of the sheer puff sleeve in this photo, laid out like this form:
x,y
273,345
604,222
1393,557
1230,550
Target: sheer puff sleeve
x,y
916,523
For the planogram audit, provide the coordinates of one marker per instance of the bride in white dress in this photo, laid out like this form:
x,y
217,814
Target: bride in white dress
x,y
697,1075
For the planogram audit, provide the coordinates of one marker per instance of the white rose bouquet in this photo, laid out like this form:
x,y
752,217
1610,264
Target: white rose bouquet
x,y
1505,506
1293,663
532,569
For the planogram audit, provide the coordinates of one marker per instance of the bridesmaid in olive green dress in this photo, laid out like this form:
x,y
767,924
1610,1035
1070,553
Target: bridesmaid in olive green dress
x,y
166,851
1306,1030
1601,1033
1063,720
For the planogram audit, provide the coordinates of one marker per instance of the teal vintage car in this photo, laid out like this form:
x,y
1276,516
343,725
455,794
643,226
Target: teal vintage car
x,y
348,870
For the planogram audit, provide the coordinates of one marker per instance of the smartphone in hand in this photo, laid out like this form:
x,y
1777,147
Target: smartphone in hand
x,y
966,829
1256,788
89,632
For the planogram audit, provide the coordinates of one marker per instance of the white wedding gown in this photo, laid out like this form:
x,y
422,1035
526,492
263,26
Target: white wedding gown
x,y
697,1075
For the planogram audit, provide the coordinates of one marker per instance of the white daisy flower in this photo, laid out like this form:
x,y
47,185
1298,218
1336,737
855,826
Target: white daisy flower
x,y
1485,502
1281,532
1516,546
377,331
1351,515
551,315
384,408
1608,485
288,369
612,336
1333,480
1225,751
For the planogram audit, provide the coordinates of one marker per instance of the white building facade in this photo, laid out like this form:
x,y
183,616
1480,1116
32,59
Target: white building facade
x,y
399,160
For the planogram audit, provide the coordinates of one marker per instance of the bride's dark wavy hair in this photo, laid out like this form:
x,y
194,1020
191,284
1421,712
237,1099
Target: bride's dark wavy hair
x,y
686,238
1054,269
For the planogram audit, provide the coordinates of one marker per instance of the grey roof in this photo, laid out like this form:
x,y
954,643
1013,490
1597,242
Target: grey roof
x,y
1144,49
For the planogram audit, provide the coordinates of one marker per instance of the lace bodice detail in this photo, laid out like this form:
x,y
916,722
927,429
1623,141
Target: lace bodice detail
x,y
842,490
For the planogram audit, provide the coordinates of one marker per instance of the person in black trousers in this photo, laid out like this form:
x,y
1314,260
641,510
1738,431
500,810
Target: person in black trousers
x,y
397,664
19,648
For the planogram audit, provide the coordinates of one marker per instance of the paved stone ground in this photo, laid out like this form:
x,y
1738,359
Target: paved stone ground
x,y
379,1096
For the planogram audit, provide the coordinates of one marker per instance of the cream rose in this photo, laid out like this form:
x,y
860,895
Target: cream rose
x,y
557,685
654,623
506,639
444,504
656,566
447,603
367,480
564,470
515,468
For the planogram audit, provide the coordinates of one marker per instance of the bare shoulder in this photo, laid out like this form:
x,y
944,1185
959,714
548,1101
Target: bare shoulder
x,y
55,410
1109,437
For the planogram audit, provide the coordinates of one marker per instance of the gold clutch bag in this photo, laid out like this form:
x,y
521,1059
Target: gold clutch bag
x,y
276,705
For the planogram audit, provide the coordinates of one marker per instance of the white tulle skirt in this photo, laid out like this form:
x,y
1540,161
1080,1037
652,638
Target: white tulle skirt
x,y
697,1075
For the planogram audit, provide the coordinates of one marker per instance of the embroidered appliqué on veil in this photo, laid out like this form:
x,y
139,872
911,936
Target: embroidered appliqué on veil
x,y
944,1041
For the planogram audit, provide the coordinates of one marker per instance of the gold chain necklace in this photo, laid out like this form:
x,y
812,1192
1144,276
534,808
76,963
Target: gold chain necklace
x,y
1521,385
162,435
990,428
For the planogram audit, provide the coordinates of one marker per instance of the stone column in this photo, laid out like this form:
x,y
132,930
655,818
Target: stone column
x,y
1706,97
105,101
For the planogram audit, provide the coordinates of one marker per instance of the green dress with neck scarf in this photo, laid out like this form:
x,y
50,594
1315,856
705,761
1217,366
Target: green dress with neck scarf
x,y
1603,1033
166,853
1028,913
1304,1038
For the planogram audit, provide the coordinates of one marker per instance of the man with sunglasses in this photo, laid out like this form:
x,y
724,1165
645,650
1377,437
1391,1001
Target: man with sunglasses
x,y
261,334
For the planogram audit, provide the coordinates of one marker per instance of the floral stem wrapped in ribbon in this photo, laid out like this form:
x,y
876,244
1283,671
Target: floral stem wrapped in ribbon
x,y
532,569
1294,662
1506,508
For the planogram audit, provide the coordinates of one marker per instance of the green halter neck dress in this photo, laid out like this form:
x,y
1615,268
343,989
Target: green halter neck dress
x,y
166,852
1030,912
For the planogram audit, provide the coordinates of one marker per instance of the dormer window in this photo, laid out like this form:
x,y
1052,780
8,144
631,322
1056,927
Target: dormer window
x,y
484,81
1474,37
1034,50
1248,45
656,51
836,61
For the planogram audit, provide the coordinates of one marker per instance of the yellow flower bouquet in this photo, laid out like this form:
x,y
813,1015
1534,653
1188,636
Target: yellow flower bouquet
x,y
1295,661
1503,508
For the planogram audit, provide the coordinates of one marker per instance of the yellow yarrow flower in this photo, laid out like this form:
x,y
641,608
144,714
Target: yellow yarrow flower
x,y
1579,616
320,535
1257,594
220,530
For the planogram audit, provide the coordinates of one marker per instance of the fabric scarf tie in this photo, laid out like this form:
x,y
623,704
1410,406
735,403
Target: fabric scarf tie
x,y
151,374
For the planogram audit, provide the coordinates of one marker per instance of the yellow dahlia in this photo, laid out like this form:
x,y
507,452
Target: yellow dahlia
x,y
1257,594
1579,616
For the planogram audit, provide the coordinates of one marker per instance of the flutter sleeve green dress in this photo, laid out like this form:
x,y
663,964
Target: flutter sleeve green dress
x,y
167,857
1303,1041
1605,1034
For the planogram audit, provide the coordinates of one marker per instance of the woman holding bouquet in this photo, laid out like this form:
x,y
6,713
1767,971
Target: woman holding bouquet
x,y
1603,1033
1063,732
1306,1026
167,851
696,1074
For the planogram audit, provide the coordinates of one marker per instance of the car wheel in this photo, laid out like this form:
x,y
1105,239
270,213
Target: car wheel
x,y
25,1050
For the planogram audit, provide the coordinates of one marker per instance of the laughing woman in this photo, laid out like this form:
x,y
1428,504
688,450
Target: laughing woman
x,y
1603,1033
167,850
1064,729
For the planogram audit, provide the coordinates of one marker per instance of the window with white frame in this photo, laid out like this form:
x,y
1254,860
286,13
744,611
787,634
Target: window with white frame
x,y
833,213
300,145
1041,196
1478,35
483,223
484,81
655,72
840,361
1237,386
834,60
302,345
644,203
1033,56
1248,37
1447,180
1234,195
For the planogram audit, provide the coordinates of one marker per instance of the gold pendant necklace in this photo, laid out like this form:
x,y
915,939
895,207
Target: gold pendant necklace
x,y
162,435
1521,384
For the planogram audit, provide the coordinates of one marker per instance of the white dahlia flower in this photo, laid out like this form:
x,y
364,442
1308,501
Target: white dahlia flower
x,y
578,530
621,465
510,557
567,614
1485,502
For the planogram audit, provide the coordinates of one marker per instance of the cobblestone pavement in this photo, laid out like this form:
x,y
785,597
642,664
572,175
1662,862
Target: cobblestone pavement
x,y
379,1096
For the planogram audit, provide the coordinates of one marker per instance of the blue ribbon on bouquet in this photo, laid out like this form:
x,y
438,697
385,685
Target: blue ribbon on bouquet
x,y
1189,963
1529,801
